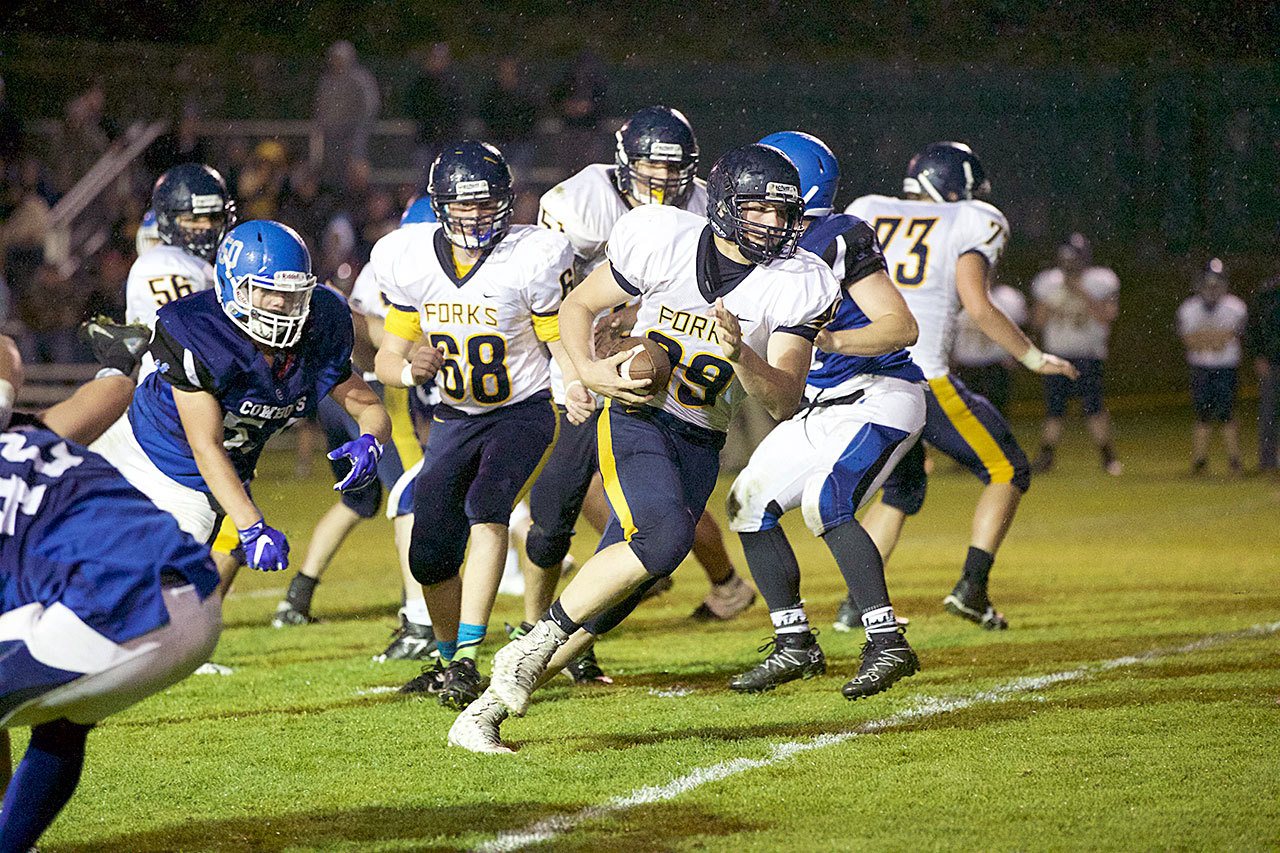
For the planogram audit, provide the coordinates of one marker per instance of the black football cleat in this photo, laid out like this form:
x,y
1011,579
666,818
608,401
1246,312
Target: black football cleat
x,y
584,669
410,641
793,656
969,601
848,617
287,615
886,659
116,345
462,684
429,681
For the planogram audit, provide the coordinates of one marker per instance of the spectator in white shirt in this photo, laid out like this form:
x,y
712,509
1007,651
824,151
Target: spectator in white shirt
x,y
1211,324
983,365
1075,305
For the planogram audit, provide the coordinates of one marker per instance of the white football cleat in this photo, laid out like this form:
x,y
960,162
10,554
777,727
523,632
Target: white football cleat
x,y
476,729
519,664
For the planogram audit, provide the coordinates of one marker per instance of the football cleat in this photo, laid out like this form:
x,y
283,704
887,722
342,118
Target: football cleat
x,y
211,668
429,681
887,658
286,614
410,641
515,632
476,728
462,684
518,665
791,656
969,601
725,600
119,346
584,669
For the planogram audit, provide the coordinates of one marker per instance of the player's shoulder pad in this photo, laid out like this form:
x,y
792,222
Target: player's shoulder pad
x,y
171,260
584,204
536,247
654,222
330,321
860,206
986,210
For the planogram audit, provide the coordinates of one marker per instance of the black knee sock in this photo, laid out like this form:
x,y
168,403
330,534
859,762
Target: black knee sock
x,y
977,566
557,615
773,566
859,561
301,588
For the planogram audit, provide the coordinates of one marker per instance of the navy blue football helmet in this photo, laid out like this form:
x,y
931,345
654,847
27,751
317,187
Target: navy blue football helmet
x,y
656,135
475,174
946,171
819,171
265,281
183,194
761,174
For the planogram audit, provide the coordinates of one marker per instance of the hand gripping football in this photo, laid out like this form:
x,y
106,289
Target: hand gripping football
x,y
652,363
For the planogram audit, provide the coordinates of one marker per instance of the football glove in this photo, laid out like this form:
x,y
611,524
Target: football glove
x,y
364,453
119,346
265,548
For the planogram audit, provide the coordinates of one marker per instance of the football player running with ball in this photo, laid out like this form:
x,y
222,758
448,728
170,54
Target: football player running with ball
x,y
655,160
863,410
484,294
736,306
941,243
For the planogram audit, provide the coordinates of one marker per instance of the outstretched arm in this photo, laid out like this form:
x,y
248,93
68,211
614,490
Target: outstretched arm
x,y
892,325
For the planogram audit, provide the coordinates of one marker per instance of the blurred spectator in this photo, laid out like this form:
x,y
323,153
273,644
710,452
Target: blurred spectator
x,y
346,107
303,207
24,228
10,131
81,139
433,102
982,364
509,111
180,144
261,183
579,102
1075,305
51,307
1264,345
1211,324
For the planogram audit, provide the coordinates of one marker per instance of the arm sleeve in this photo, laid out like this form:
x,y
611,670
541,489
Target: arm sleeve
x,y
556,213
178,364
862,255
546,291
631,249
403,322
815,309
985,233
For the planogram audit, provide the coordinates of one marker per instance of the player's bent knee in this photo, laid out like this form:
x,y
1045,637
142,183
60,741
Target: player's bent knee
x,y
748,511
664,544
431,562
906,498
546,550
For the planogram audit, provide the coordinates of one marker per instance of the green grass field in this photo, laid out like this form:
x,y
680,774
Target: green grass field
x,y
300,749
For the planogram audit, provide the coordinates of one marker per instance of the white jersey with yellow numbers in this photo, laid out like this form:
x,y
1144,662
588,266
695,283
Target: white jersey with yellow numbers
x,y
922,241
587,205
366,299
493,320
159,276
655,254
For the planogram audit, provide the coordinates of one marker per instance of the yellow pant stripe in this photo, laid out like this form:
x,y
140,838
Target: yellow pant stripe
x,y
228,538
998,466
546,454
609,474
402,435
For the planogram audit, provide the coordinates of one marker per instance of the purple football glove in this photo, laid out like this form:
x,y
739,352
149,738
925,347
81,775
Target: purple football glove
x,y
265,548
364,453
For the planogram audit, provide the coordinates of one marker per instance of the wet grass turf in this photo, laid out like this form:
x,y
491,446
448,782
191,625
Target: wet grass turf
x,y
294,752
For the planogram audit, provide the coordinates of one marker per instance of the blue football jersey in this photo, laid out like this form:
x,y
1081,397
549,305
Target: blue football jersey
x,y
850,248
197,347
74,532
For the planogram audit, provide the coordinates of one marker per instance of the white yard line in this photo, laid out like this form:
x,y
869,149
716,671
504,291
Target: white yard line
x,y
550,828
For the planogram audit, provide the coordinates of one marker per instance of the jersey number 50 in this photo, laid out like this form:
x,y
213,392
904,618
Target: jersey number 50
x,y
485,368
702,380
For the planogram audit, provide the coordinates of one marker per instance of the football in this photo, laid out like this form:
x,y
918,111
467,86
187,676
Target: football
x,y
652,363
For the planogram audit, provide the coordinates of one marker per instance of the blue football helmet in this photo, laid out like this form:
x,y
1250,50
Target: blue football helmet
x,y
656,135
265,281
946,171
819,171
419,210
183,196
472,173
148,236
761,174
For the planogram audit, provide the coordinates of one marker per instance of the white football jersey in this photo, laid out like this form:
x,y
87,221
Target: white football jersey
x,y
587,205
1070,330
655,249
922,242
159,276
366,299
492,321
